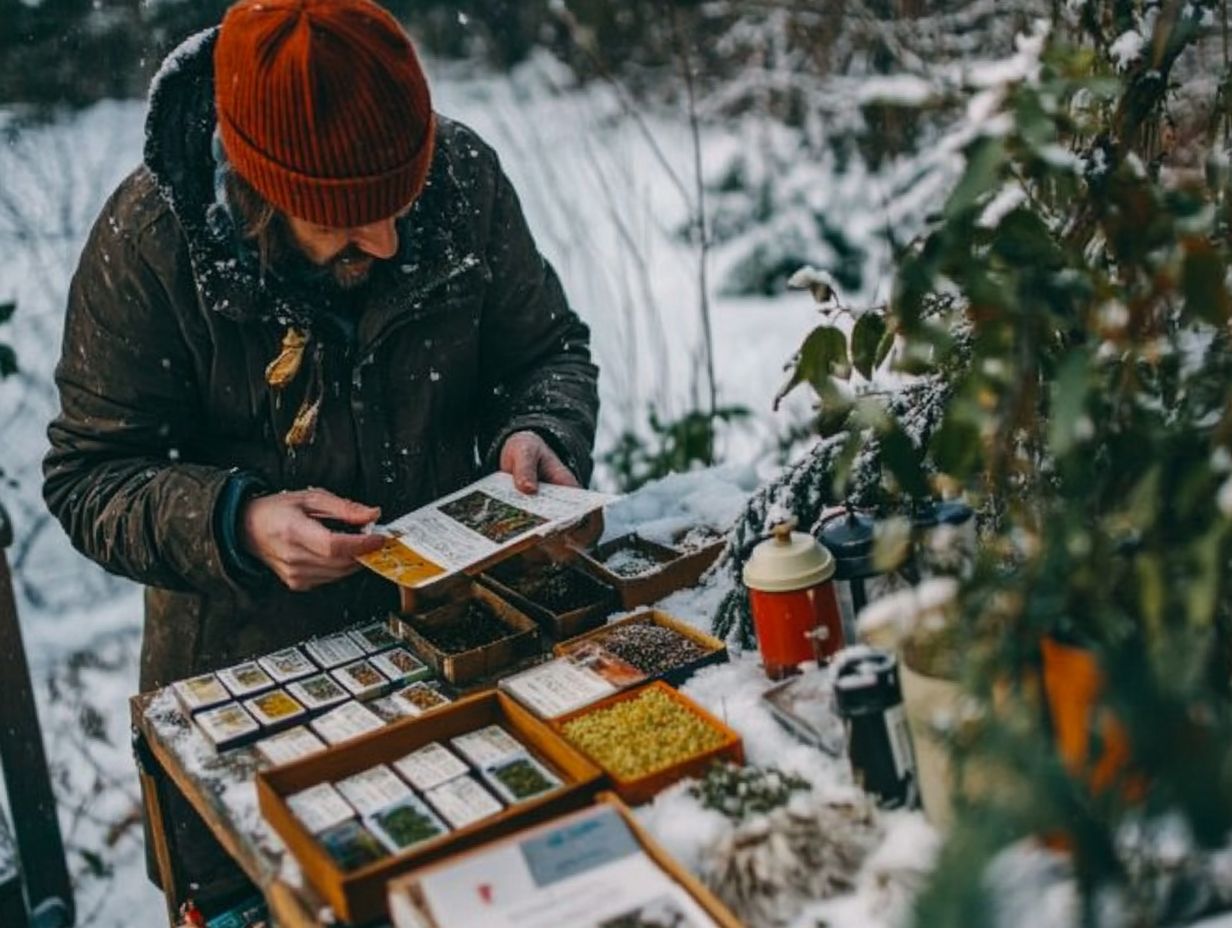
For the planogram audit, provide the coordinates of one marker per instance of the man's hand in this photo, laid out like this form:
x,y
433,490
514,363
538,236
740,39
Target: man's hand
x,y
285,531
528,458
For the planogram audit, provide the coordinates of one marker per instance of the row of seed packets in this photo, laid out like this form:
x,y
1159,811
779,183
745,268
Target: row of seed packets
x,y
334,673
429,792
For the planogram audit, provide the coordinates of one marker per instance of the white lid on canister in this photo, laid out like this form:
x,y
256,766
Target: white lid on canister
x,y
788,562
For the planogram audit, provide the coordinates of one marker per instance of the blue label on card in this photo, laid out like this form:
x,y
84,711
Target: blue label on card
x,y
581,845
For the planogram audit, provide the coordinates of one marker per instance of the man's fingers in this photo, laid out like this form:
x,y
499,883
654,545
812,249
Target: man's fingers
x,y
321,504
553,470
526,468
343,546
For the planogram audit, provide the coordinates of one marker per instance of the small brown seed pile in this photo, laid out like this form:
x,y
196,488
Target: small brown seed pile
x,y
474,628
652,649
639,736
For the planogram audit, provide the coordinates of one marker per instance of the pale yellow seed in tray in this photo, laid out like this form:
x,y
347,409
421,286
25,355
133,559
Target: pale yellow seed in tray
x,y
640,736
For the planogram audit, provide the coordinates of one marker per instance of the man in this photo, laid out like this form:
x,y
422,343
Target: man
x,y
316,304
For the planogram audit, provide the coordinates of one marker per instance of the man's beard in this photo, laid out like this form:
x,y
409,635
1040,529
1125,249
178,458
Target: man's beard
x,y
350,268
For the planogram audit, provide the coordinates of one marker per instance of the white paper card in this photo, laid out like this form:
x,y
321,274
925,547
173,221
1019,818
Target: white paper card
x,y
487,745
462,801
373,789
320,807
347,721
557,687
430,766
289,745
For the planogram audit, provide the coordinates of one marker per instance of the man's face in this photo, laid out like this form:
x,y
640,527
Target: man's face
x,y
349,254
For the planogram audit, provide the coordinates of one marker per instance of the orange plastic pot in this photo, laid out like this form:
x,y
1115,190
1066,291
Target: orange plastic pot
x,y
1073,687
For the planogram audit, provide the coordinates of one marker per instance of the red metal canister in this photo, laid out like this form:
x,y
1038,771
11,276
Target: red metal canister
x,y
795,610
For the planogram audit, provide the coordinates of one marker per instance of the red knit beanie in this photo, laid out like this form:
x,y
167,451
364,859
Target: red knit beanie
x,y
323,108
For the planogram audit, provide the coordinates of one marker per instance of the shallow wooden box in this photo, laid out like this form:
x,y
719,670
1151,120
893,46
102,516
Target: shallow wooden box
x,y
642,789
558,625
716,649
678,569
406,888
359,896
467,666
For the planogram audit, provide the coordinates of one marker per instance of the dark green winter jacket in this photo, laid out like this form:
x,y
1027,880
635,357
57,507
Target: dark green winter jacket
x,y
464,337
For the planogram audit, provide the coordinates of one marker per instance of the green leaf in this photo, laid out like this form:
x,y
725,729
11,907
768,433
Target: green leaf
x,y
6,311
883,348
866,338
8,361
1202,281
955,446
902,458
984,160
823,354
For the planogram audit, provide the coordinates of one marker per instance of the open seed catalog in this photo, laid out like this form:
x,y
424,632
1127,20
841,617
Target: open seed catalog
x,y
586,870
466,530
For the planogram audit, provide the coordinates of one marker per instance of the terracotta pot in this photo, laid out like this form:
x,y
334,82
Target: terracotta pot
x,y
1073,685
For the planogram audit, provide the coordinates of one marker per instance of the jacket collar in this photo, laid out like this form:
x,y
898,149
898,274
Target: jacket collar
x,y
436,239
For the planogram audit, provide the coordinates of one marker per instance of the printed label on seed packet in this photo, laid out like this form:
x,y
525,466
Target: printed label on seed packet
x,y
373,789
400,664
277,707
405,824
200,692
287,664
520,778
430,766
487,746
557,687
462,801
245,679
318,692
347,721
289,745
333,650
227,724
362,679
374,637
320,807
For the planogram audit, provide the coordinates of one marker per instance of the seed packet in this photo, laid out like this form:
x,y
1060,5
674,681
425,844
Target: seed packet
x,y
405,824
361,679
430,766
275,708
197,693
419,698
226,725
487,746
374,637
556,687
287,664
462,800
345,722
289,745
320,807
351,845
373,789
333,650
245,679
518,779
400,665
318,692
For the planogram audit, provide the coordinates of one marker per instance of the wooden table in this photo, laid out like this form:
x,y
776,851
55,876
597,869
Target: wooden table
x,y
171,754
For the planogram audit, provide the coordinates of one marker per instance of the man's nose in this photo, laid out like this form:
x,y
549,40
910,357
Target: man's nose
x,y
379,239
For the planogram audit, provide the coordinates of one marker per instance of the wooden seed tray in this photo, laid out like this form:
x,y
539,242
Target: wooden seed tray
x,y
639,790
358,896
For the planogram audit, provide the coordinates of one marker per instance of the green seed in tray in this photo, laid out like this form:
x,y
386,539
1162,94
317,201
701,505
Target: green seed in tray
x,y
404,824
635,737
521,778
351,845
475,627
652,649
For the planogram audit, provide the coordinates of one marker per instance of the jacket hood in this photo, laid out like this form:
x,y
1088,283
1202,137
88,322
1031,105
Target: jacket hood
x,y
435,237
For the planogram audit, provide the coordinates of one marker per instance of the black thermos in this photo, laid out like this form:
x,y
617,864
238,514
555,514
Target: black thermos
x,y
868,697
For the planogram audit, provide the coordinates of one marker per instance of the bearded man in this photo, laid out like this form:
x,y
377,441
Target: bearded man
x,y
315,304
